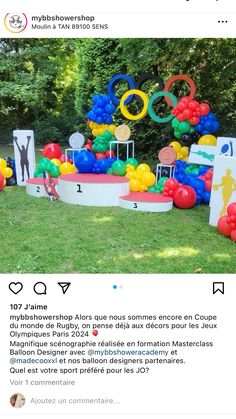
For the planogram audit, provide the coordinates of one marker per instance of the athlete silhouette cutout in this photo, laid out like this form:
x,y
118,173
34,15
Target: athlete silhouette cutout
x,y
24,161
228,186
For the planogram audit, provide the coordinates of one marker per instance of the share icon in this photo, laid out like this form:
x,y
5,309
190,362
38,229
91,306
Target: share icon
x,y
64,286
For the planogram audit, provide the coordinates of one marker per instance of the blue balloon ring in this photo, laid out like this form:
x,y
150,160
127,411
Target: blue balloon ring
x,y
111,87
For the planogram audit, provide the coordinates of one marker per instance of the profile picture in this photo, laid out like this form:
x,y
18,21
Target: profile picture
x,y
17,400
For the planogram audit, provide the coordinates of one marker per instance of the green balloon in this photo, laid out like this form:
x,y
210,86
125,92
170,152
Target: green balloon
x,y
54,170
109,171
175,123
161,181
152,189
184,127
119,168
191,130
38,174
44,164
99,147
177,134
107,135
132,161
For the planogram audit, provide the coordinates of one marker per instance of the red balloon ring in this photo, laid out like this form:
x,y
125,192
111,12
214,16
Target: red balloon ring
x,y
178,77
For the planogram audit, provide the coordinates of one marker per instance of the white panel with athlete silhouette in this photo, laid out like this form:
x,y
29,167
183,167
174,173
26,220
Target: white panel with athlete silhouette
x,y
24,151
223,190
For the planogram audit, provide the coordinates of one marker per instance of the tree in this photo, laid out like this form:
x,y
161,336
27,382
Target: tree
x,y
37,79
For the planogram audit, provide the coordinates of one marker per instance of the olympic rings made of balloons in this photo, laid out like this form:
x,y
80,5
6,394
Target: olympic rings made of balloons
x,y
146,77
151,102
111,87
124,109
184,77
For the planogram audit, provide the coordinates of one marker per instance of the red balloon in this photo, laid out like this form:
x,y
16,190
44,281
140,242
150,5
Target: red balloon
x,y
62,158
231,209
181,106
193,105
194,120
223,227
233,235
209,173
208,183
184,197
88,147
187,113
171,183
1,179
204,109
185,100
107,154
52,151
100,156
180,117
1,182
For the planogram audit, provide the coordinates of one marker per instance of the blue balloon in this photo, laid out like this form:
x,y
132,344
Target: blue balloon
x,y
206,197
211,116
98,111
199,200
198,185
203,170
208,125
106,99
84,161
96,98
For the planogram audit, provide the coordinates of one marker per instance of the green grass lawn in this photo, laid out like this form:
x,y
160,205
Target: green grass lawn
x,y
42,237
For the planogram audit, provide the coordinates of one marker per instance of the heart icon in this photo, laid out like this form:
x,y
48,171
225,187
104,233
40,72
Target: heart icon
x,y
15,287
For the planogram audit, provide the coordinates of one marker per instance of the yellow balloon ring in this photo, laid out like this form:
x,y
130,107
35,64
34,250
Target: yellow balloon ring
x,y
124,109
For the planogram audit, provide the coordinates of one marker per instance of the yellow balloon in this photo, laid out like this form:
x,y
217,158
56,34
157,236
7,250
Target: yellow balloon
x,y
176,146
7,172
143,168
129,167
113,128
3,163
131,174
56,162
148,179
66,168
95,132
74,168
124,109
135,185
180,156
143,188
184,151
207,140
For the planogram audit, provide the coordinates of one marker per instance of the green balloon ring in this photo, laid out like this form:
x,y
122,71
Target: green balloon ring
x,y
151,112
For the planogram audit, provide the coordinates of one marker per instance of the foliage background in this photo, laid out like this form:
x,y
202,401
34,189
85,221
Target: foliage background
x,y
47,84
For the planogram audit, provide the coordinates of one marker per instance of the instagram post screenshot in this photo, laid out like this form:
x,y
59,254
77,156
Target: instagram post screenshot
x,y
118,209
